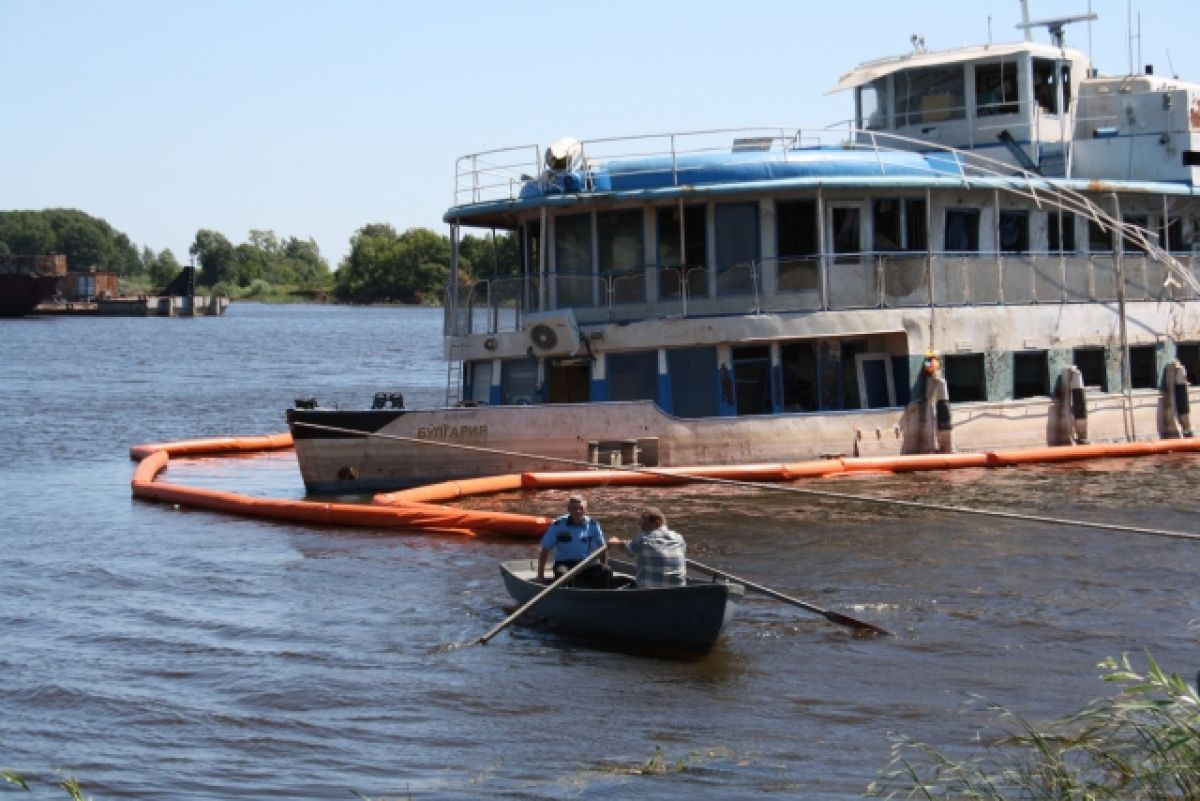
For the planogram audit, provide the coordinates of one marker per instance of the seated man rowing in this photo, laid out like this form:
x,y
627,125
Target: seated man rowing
x,y
661,553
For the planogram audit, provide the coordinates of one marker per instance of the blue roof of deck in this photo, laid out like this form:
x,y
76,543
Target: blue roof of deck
x,y
660,177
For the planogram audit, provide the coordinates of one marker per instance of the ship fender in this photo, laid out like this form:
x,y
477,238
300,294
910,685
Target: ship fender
x,y
936,419
1177,406
1074,428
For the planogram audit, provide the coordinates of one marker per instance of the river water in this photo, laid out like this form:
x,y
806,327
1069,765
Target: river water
x,y
153,652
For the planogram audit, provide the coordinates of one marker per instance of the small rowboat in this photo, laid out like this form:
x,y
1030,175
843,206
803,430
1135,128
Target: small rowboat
x,y
688,618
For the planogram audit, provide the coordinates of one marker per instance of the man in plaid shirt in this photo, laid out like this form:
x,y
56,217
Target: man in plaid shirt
x,y
661,553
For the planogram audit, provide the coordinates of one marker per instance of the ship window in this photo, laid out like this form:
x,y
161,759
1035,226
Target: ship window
x,y
797,244
929,95
1142,221
847,233
1031,374
480,387
620,234
995,89
1014,232
693,373
632,376
1143,371
681,241
1099,237
1171,235
872,105
887,225
799,366
899,225
1060,232
962,230
1188,354
518,381
533,248
1090,362
752,379
573,259
965,377
916,225
1044,91
796,227
737,247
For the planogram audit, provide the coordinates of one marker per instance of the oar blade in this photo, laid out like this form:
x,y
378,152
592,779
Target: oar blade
x,y
861,627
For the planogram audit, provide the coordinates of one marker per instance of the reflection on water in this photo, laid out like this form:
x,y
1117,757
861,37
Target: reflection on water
x,y
155,652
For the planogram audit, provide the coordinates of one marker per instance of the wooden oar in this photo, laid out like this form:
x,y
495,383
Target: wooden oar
x,y
532,602
835,617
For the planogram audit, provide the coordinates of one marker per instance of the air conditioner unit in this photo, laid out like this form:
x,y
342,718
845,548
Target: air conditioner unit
x,y
553,333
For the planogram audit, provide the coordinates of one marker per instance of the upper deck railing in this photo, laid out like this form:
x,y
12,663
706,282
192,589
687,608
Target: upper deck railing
x,y
814,284
820,282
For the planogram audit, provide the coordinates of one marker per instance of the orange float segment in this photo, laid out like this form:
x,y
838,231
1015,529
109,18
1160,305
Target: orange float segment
x,y
915,461
414,508
214,446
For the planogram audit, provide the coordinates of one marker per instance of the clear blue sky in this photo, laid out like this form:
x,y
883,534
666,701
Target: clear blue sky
x,y
314,119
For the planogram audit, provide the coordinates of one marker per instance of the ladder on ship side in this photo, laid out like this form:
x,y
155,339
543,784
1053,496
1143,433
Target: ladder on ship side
x,y
454,373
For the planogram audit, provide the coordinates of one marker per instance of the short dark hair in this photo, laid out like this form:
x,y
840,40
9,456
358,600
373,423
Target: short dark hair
x,y
655,513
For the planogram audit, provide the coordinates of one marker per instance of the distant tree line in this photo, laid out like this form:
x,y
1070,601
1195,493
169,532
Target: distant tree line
x,y
382,266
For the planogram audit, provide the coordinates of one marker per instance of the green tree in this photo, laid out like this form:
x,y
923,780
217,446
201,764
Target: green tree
x,y
215,254
411,267
86,241
161,267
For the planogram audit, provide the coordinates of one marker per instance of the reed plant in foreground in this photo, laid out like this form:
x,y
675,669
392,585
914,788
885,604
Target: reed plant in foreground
x,y
1141,744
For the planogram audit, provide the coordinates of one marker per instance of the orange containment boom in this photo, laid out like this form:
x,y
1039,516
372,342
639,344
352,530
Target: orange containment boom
x,y
419,508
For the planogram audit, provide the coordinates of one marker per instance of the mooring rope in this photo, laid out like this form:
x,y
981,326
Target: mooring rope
x,y
762,485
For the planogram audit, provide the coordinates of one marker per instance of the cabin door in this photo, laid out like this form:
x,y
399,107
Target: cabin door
x,y
568,381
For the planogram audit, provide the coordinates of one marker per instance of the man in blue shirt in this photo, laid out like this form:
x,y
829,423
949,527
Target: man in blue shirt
x,y
572,538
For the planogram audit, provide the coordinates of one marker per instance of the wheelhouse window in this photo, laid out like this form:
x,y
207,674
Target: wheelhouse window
x,y
872,105
1031,375
995,89
693,379
737,247
573,259
682,246
632,376
930,95
1045,90
1014,232
1060,232
962,231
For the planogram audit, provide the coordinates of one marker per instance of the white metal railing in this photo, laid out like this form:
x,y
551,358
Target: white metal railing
x,y
503,173
815,283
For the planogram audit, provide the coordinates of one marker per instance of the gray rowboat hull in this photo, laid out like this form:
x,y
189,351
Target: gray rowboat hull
x,y
688,618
